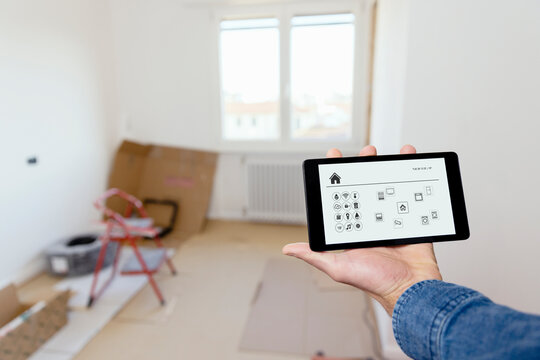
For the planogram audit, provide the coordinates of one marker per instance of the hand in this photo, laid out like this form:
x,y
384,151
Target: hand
x,y
383,272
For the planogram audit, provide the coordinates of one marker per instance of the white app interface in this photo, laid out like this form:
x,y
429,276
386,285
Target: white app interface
x,y
384,200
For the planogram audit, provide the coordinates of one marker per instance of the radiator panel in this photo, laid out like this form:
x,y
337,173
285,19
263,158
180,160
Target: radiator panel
x,y
275,192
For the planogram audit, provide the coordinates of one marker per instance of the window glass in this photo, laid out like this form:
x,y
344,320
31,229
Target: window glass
x,y
322,63
250,75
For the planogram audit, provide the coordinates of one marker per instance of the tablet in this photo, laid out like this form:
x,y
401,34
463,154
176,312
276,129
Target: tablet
x,y
356,202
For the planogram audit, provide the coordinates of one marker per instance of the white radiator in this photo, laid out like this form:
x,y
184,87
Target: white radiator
x,y
275,191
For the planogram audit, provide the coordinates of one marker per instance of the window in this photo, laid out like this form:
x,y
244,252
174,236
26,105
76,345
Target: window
x,y
294,74
250,79
322,58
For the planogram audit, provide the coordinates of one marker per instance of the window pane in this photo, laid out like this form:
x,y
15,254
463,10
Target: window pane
x,y
250,79
322,62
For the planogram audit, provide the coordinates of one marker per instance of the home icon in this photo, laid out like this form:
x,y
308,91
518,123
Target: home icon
x,y
335,179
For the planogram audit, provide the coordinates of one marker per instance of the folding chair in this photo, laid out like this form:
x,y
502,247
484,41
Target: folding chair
x,y
127,230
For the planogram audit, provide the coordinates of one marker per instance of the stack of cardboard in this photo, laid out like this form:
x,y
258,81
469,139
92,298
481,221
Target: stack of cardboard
x,y
166,173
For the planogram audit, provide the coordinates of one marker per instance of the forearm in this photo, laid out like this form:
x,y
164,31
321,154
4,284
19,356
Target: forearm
x,y
438,320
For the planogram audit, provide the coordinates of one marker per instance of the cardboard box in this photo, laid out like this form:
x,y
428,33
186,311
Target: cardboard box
x,y
166,173
25,327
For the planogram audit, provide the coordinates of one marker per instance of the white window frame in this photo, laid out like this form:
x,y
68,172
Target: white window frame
x,y
362,10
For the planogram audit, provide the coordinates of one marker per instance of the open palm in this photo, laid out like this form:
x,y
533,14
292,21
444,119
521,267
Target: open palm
x,y
383,272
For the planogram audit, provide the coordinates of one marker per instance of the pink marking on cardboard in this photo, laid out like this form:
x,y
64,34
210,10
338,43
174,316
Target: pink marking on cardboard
x,y
179,181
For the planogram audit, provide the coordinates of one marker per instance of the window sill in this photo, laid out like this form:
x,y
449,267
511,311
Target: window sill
x,y
276,146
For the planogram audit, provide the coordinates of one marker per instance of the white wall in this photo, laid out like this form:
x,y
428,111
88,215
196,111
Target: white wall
x,y
55,103
163,54
470,84
389,73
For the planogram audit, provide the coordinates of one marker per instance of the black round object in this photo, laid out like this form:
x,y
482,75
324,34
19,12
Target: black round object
x,y
81,240
78,255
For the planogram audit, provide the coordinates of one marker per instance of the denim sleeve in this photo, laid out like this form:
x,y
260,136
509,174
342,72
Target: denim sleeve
x,y
437,320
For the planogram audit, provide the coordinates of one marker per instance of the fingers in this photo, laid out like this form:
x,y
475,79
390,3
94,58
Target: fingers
x,y
407,149
332,153
368,151
320,260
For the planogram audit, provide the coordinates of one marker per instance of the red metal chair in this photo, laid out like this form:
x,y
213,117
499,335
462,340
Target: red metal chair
x,y
126,230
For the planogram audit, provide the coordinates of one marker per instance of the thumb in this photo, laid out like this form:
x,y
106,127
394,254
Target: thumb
x,y
321,260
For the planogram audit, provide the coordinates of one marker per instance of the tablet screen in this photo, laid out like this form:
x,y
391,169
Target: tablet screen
x,y
367,201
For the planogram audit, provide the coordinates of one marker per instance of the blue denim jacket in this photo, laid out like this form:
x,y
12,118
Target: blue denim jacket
x,y
437,320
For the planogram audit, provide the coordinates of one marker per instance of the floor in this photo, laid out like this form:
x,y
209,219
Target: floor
x,y
208,302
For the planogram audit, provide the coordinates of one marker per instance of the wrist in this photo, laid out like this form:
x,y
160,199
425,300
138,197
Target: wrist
x,y
389,300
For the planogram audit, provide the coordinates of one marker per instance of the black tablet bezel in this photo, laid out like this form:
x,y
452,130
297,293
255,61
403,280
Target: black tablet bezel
x,y
315,221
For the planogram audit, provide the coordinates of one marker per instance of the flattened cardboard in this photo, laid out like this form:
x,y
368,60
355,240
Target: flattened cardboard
x,y
276,321
291,314
26,338
10,307
161,172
